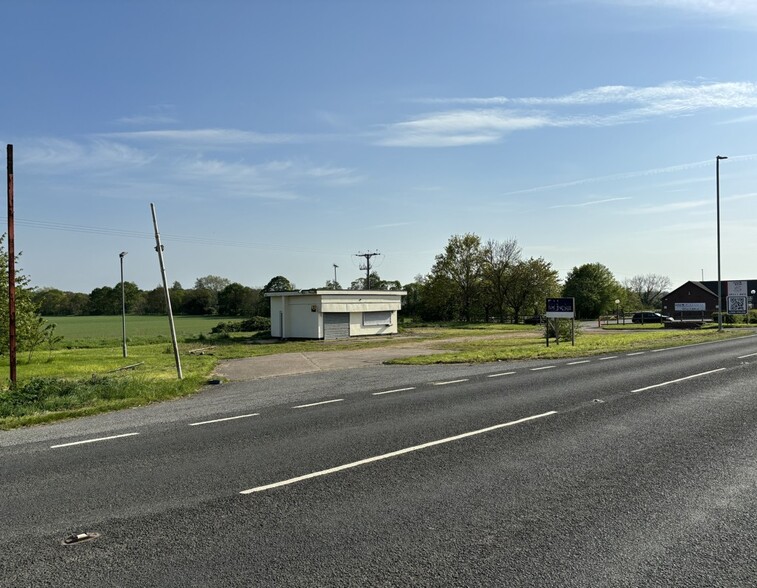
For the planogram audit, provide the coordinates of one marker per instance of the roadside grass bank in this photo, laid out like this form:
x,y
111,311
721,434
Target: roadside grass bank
x,y
521,348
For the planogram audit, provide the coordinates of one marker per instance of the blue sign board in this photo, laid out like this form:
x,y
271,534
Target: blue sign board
x,y
561,308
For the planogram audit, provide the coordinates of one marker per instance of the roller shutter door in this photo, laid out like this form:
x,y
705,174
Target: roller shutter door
x,y
336,325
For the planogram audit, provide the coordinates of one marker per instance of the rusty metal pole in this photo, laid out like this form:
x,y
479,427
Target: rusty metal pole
x,y
11,272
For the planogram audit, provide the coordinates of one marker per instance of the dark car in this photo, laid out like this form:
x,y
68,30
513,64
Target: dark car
x,y
536,319
651,317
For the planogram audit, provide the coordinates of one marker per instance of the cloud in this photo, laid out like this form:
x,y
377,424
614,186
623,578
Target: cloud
x,y
458,128
593,107
146,119
672,207
591,203
735,8
195,137
50,155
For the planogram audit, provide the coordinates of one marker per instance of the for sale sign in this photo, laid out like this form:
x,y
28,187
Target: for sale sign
x,y
561,308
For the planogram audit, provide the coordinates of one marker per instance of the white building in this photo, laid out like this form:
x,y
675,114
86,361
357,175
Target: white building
x,y
334,314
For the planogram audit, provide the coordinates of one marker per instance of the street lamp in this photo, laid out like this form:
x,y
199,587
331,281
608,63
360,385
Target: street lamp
x,y
750,307
123,302
720,286
617,311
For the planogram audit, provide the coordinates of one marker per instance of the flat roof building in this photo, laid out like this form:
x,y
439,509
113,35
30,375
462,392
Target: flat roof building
x,y
334,314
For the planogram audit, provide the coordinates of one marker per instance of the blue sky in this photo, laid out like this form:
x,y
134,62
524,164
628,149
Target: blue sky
x,y
285,137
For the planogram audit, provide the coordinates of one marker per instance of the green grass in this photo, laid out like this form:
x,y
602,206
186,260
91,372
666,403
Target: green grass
x,y
534,347
89,331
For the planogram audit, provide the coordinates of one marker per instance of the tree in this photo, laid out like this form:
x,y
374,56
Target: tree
x,y
104,300
275,284
332,285
594,288
649,288
498,261
461,267
212,285
237,300
30,326
376,283
530,283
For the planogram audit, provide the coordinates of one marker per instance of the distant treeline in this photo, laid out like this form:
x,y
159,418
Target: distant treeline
x,y
211,295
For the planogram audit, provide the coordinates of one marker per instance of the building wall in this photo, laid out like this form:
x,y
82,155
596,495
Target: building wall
x,y
357,326
689,293
303,313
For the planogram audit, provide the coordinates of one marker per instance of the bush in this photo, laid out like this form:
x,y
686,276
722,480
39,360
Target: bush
x,y
256,323
728,319
563,329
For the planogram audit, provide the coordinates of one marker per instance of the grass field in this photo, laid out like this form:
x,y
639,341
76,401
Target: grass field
x,y
138,328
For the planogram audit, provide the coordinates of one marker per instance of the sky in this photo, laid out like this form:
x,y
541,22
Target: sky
x,y
286,137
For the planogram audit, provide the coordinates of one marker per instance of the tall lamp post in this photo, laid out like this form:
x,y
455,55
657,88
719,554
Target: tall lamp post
x,y
720,286
123,302
617,311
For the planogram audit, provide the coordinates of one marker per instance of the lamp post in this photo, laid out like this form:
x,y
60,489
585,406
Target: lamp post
x,y
123,302
720,286
617,311
750,307
335,282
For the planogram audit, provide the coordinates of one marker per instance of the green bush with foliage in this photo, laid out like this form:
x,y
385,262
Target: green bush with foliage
x,y
256,323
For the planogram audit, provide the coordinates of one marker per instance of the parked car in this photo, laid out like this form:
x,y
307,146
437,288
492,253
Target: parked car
x,y
651,317
536,319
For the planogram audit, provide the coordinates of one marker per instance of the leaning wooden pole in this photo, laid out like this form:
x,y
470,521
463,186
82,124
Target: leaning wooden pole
x,y
159,249
11,272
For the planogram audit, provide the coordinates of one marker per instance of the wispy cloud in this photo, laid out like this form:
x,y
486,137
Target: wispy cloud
x,y
51,155
729,8
630,175
672,207
114,169
591,203
457,128
195,137
492,118
146,119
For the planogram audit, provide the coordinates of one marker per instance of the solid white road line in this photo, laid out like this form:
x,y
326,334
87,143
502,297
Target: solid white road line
x,y
93,440
318,403
375,458
393,391
450,382
678,380
502,374
546,367
578,362
745,356
233,418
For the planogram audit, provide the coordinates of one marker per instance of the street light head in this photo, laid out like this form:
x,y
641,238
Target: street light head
x,y
122,254
722,157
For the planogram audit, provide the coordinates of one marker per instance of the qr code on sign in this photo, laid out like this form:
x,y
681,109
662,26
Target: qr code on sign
x,y
737,304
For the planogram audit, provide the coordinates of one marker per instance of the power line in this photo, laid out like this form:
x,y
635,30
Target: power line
x,y
88,230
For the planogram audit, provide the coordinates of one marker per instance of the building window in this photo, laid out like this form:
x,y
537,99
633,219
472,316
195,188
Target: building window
x,y
377,319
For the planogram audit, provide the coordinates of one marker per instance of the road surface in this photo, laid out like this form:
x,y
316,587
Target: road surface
x,y
618,470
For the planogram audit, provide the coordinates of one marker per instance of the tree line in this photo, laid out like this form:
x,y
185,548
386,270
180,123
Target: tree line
x,y
471,280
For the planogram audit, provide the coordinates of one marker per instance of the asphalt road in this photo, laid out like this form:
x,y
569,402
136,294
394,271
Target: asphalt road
x,y
627,470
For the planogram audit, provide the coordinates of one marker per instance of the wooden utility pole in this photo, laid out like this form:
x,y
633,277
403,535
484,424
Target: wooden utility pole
x,y
367,267
11,272
159,249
